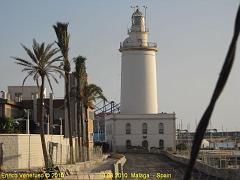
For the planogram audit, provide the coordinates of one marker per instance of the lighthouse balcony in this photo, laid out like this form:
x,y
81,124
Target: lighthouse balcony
x,y
129,30
138,45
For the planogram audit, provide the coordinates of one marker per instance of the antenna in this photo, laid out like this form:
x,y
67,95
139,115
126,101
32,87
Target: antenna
x,y
145,14
134,7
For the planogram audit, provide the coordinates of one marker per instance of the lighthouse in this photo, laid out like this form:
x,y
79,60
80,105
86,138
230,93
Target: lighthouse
x,y
139,126
138,69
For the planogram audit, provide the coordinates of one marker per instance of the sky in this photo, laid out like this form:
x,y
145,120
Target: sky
x,y
192,37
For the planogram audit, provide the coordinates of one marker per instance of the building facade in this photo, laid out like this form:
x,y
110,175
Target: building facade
x,y
18,93
124,131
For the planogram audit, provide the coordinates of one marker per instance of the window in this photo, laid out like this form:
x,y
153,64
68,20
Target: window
x,y
128,144
161,144
18,94
145,144
144,128
128,128
160,128
18,97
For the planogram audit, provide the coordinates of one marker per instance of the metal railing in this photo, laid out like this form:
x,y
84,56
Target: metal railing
x,y
134,30
138,44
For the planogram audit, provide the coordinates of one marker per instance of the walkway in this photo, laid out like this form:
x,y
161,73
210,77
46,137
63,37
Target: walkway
x,y
151,166
93,172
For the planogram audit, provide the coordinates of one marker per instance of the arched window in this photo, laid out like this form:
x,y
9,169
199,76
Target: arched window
x,y
128,128
145,144
128,144
144,128
161,144
160,128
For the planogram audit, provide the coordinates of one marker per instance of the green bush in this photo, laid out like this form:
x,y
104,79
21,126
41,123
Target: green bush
x,y
6,125
181,146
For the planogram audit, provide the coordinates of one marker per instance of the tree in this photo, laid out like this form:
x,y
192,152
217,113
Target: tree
x,y
61,30
6,125
80,75
181,147
91,92
41,66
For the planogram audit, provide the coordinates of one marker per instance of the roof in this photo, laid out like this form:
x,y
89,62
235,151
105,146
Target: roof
x,y
137,13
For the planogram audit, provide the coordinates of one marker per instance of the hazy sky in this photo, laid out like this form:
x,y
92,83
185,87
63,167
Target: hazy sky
x,y
192,36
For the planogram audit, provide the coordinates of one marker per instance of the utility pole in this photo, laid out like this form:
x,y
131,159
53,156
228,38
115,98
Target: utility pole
x,y
60,125
27,123
145,7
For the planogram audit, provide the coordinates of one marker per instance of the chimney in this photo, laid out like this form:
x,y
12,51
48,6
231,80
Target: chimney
x,y
3,95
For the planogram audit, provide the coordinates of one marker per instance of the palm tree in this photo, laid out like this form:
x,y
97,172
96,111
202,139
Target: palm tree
x,y
91,93
80,74
63,43
41,66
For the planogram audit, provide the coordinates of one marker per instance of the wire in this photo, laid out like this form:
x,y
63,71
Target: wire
x,y
202,126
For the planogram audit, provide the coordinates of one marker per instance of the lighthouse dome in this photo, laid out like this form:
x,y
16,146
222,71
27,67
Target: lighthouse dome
x,y
138,21
137,18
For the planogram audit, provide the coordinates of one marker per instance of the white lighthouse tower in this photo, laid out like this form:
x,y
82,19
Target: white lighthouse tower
x,y
138,76
139,126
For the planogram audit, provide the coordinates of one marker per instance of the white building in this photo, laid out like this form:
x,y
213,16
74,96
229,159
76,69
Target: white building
x,y
18,93
139,123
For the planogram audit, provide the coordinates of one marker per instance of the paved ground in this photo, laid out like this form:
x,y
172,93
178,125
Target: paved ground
x,y
150,166
94,171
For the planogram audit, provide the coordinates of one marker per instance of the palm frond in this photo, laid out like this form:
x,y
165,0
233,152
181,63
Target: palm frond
x,y
61,30
53,77
49,82
51,53
30,54
91,93
22,62
41,62
27,69
29,74
48,47
36,78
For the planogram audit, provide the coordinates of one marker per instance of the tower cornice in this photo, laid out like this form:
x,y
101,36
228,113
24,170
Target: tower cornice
x,y
149,46
121,49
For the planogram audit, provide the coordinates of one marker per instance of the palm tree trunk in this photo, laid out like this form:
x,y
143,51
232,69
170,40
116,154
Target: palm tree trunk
x,y
82,130
78,120
67,99
47,161
87,136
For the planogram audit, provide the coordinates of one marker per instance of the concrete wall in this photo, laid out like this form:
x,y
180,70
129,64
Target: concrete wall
x,y
24,151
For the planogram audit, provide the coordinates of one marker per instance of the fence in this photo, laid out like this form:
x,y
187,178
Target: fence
x,y
220,161
215,158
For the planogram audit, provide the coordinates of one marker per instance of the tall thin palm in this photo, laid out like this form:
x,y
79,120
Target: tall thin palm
x,y
40,66
61,30
91,93
80,74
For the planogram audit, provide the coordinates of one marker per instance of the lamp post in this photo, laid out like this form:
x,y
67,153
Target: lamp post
x,y
27,123
60,125
48,125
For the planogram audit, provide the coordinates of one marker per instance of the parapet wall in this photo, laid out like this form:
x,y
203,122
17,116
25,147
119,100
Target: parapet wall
x,y
233,174
24,151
